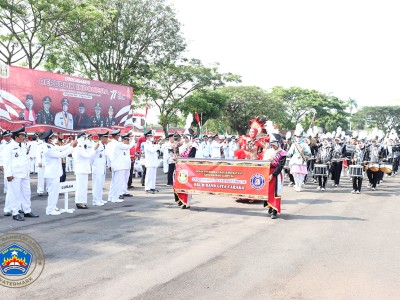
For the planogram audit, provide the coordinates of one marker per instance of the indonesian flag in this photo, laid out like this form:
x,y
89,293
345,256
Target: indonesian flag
x,y
197,117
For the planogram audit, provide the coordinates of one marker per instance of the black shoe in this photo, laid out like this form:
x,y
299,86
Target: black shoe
x,y
270,210
150,192
30,215
154,190
142,184
131,187
180,203
81,206
185,207
18,218
121,197
127,195
274,214
20,211
7,214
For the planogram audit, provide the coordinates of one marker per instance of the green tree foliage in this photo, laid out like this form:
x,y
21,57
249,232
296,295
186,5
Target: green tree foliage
x,y
118,41
29,27
300,106
170,84
208,103
381,117
246,102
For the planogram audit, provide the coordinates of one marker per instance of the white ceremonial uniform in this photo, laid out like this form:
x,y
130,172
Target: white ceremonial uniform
x,y
32,155
216,149
225,149
151,164
232,147
69,164
7,205
164,150
98,162
199,151
40,166
82,169
52,172
64,120
126,158
118,154
206,149
16,164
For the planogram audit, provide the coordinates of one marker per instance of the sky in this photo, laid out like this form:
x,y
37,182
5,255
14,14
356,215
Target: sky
x,y
349,49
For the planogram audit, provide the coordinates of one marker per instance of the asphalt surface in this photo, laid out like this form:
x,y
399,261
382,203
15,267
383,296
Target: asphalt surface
x,y
324,245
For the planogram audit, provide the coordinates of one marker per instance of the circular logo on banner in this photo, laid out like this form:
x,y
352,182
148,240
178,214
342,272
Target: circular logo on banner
x,y
21,260
183,176
257,181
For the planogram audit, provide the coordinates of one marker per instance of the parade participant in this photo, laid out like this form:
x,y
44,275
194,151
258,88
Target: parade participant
x,y
359,157
151,157
337,163
28,114
126,163
32,153
16,170
298,153
82,169
199,149
225,147
314,147
45,116
63,118
82,120
173,152
40,167
99,164
115,151
374,154
232,147
216,146
277,157
164,149
286,147
5,141
52,155
324,156
206,147
61,142
186,147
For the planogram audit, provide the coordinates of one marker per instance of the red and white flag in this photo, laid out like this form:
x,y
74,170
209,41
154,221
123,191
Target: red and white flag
x,y
197,117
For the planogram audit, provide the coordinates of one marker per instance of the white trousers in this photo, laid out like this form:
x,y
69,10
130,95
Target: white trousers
x,y
69,166
5,185
33,164
117,184
20,195
165,163
40,183
53,188
81,188
97,187
298,180
150,180
7,205
125,184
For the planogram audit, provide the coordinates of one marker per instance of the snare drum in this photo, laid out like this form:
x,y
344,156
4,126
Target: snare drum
x,y
386,168
320,170
374,167
356,171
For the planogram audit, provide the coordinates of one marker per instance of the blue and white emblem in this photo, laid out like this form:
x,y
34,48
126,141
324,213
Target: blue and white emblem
x,y
257,181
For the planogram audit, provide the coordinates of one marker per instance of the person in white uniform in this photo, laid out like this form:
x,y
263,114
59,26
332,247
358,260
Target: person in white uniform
x,y
40,167
32,153
216,147
151,156
52,155
126,159
82,169
99,164
205,147
16,170
115,151
6,140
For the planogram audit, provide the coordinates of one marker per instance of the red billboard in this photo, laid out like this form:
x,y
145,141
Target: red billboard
x,y
42,100
240,178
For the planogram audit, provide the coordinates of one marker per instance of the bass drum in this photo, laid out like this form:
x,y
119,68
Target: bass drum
x,y
386,168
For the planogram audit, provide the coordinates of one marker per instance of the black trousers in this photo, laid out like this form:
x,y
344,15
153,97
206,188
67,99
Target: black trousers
x,y
322,180
64,175
396,164
143,175
170,176
373,177
336,170
357,182
130,174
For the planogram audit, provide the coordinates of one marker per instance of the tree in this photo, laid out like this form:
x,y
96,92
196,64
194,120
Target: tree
x,y
170,84
381,117
245,103
208,103
28,27
119,41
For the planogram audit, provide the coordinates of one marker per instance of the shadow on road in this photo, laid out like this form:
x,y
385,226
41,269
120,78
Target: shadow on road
x,y
322,218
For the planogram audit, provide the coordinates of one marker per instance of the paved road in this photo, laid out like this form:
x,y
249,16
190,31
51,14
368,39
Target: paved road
x,y
325,245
